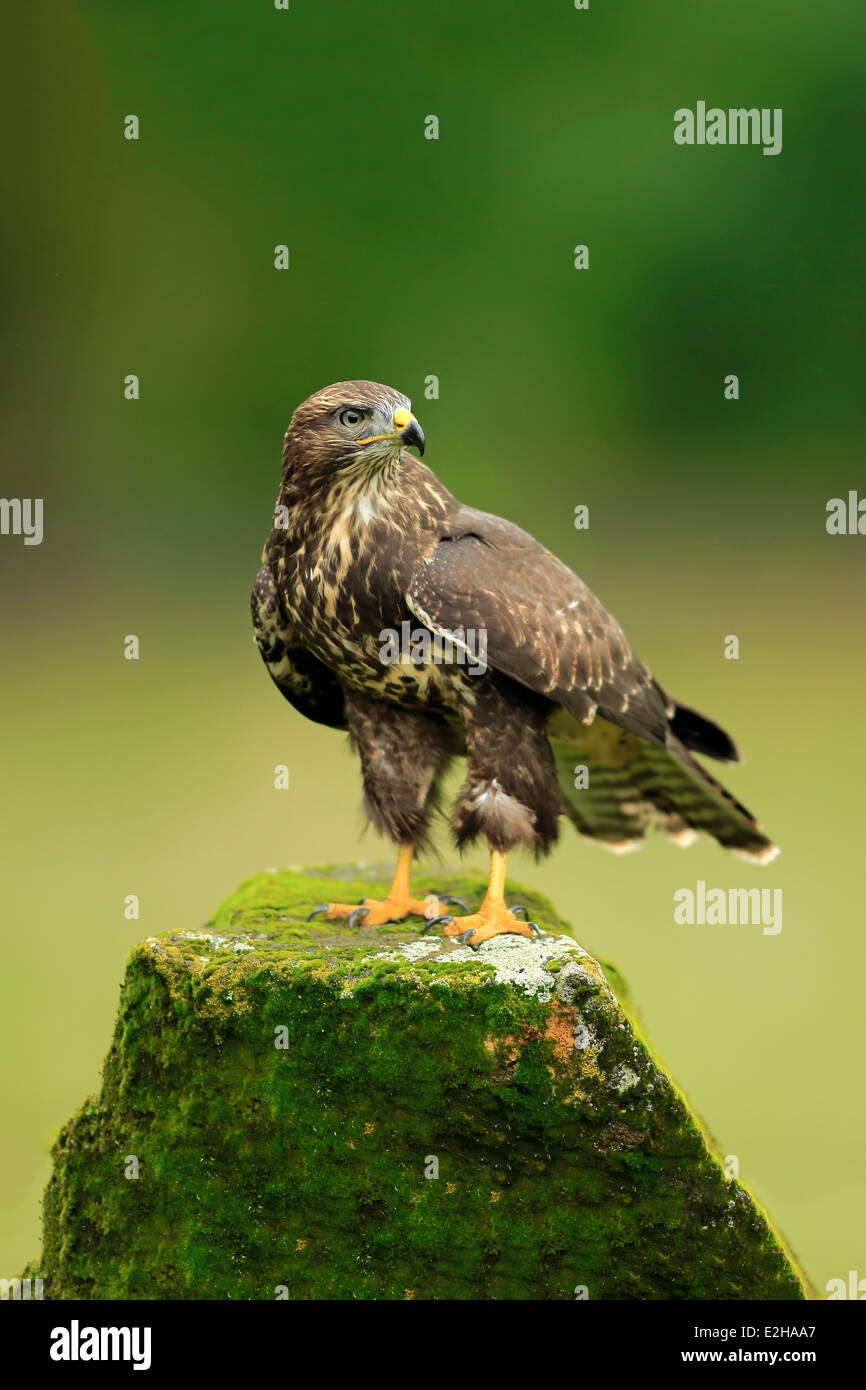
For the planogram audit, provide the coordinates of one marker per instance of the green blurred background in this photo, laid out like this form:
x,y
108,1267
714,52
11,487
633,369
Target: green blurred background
x,y
557,387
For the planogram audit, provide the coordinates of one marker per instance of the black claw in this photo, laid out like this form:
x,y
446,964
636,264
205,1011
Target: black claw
x,y
317,910
355,917
464,940
535,929
458,902
519,907
435,922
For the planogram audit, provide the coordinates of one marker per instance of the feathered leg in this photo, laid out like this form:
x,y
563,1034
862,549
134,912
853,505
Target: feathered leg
x,y
403,756
511,795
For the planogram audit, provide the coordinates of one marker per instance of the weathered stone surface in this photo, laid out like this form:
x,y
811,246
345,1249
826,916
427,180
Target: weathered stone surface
x,y
287,1090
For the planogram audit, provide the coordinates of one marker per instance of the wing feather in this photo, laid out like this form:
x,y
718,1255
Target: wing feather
x,y
307,684
544,627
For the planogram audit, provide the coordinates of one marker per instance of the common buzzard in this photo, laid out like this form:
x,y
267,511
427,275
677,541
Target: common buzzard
x,y
430,630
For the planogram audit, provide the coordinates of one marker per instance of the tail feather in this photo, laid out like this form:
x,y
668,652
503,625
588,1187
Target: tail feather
x,y
632,784
701,735
678,786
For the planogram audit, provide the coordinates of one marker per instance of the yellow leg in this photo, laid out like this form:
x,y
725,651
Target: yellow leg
x,y
493,917
398,904
401,888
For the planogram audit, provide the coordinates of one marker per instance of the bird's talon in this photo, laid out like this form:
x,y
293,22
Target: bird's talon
x,y
356,917
464,940
436,922
519,907
457,902
535,929
317,910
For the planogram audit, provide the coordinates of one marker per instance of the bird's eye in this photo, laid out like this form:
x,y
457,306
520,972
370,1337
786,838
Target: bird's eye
x,y
350,417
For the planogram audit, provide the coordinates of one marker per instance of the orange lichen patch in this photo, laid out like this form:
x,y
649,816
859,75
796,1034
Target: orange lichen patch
x,y
301,1244
494,1196
450,1187
408,1295
350,1143
560,1030
369,1127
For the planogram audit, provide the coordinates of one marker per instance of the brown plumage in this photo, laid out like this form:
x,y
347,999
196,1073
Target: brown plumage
x,y
368,539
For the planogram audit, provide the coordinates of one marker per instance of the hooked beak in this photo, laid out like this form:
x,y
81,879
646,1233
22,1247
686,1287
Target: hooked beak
x,y
408,431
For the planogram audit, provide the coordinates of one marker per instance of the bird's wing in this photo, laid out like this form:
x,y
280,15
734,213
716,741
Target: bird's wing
x,y
543,626
545,629
307,684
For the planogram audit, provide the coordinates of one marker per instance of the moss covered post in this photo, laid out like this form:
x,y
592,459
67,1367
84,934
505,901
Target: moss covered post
x,y
293,1111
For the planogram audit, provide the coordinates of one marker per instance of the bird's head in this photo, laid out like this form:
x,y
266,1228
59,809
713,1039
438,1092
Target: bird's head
x,y
355,427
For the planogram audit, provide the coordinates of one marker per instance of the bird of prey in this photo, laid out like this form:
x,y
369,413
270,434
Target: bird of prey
x,y
368,543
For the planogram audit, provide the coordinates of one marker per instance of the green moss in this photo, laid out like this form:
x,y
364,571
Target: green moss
x,y
565,1155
